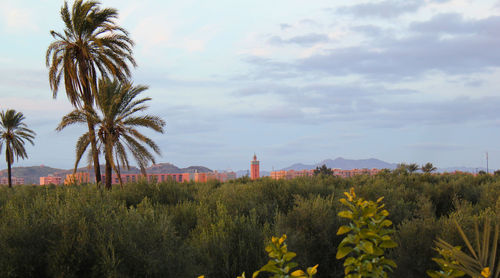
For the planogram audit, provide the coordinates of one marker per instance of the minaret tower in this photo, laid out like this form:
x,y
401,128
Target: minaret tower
x,y
254,168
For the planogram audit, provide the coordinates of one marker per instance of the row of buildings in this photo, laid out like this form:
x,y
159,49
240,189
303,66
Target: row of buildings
x,y
15,181
290,174
82,177
79,177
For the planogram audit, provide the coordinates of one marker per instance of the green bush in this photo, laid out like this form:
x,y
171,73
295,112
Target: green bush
x,y
220,229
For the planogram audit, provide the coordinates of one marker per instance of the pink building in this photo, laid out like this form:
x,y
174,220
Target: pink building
x,y
15,181
50,180
290,174
77,178
276,175
177,177
354,172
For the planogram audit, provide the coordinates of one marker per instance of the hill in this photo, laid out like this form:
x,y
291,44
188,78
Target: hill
x,y
346,164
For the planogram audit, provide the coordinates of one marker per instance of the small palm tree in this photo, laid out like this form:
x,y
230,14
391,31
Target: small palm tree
x,y
14,133
428,168
117,125
91,46
413,167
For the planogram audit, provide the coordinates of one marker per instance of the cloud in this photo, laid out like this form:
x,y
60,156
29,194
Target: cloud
x,y
303,40
315,103
310,22
432,146
267,68
372,106
284,26
368,30
383,9
446,43
18,18
409,57
152,31
448,112
23,78
456,24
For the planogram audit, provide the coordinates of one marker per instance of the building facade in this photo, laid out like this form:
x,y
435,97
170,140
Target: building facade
x,y
50,180
15,181
254,168
354,172
177,177
77,178
290,174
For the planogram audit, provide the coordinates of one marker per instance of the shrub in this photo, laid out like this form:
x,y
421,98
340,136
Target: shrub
x,y
368,237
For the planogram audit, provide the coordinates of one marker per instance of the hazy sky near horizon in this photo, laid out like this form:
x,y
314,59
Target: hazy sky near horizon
x,y
292,81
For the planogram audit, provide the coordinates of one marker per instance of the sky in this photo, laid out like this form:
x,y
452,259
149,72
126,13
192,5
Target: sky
x,y
292,81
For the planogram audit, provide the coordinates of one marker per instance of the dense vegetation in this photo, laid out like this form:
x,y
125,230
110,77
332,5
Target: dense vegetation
x,y
220,230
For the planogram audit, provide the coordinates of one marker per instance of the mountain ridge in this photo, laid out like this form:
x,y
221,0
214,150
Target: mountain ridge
x,y
345,164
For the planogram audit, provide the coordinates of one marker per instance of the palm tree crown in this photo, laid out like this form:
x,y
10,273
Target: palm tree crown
x,y
13,134
428,168
91,44
117,125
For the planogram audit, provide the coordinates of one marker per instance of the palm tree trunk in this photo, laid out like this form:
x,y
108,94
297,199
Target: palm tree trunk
x,y
108,172
117,170
9,170
95,153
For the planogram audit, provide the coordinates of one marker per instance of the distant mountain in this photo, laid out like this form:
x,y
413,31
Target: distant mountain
x,y
169,168
299,166
32,174
346,164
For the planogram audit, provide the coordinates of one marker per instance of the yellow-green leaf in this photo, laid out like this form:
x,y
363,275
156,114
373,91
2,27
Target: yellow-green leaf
x,y
298,273
343,229
312,270
368,246
388,244
345,214
343,251
386,223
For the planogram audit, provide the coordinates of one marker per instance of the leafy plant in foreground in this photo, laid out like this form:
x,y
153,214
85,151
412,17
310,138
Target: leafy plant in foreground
x,y
481,262
368,237
281,263
447,264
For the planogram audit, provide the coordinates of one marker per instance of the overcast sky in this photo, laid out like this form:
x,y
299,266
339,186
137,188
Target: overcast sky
x,y
292,81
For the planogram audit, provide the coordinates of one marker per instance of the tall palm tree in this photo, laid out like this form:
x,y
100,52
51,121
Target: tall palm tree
x,y
14,133
91,46
117,123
